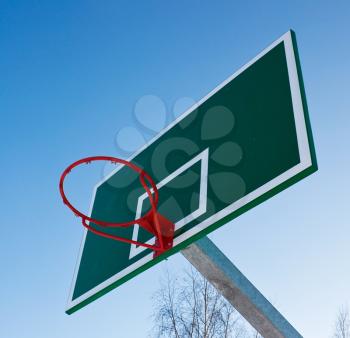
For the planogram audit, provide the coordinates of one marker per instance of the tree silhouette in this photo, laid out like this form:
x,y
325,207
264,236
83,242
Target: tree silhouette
x,y
192,308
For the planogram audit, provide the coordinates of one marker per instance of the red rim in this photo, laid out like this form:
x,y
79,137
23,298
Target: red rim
x,y
142,221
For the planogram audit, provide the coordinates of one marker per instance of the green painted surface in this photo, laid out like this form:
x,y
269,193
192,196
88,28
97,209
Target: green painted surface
x,y
248,127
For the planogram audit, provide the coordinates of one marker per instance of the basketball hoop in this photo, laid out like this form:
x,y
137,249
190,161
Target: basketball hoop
x,y
151,221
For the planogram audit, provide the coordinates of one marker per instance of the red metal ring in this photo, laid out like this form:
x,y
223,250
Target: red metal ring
x,y
140,221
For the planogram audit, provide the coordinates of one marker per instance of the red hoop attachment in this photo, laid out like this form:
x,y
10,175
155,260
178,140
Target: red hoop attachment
x,y
151,221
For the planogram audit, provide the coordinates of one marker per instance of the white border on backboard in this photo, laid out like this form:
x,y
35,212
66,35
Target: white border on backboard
x,y
304,153
202,208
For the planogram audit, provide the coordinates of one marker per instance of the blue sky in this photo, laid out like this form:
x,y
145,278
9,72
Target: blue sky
x,y
71,74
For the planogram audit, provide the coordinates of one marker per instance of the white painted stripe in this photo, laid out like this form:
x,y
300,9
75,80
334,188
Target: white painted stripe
x,y
202,207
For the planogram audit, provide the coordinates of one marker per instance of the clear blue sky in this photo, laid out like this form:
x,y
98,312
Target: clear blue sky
x,y
70,75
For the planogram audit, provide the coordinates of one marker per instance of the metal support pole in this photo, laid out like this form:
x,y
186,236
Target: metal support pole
x,y
238,290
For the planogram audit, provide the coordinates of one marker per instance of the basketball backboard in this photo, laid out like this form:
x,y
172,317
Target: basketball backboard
x,y
245,141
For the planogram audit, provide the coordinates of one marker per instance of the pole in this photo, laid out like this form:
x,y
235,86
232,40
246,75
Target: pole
x,y
206,257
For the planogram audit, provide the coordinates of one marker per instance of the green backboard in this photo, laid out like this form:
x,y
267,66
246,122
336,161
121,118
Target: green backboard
x,y
242,143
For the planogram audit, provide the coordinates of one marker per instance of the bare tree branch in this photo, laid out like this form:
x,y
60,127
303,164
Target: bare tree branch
x,y
342,323
193,308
